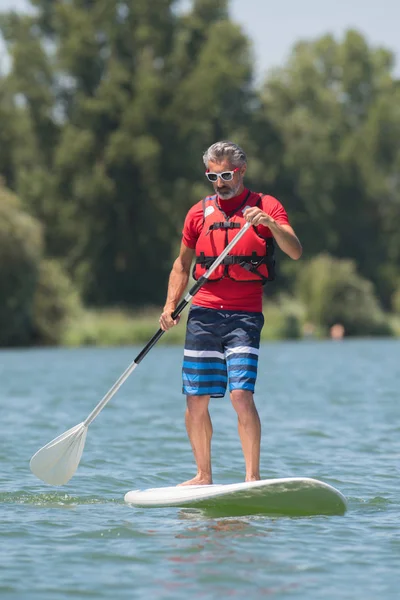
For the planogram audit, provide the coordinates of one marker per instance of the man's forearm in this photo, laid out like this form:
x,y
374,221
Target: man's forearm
x,y
287,240
178,281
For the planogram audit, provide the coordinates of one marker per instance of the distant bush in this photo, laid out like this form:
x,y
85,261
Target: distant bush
x,y
55,304
395,324
117,327
20,256
396,301
333,292
37,298
283,319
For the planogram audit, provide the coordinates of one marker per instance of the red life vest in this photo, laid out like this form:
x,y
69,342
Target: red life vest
x,y
251,259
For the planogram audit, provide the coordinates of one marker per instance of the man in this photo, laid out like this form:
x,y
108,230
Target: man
x,y
225,320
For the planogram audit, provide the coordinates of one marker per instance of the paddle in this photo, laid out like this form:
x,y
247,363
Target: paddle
x,y
56,462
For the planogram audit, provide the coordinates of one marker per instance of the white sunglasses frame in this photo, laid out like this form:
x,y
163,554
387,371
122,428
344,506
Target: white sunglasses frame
x,y
220,175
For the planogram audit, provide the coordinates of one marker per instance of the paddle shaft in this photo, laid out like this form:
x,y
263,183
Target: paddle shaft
x,y
181,306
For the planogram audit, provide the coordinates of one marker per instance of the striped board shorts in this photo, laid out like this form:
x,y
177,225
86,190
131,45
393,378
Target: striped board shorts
x,y
220,346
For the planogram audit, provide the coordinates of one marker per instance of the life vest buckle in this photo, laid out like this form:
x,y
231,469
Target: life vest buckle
x,y
255,260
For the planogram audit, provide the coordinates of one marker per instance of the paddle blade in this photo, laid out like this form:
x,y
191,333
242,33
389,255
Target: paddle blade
x,y
56,462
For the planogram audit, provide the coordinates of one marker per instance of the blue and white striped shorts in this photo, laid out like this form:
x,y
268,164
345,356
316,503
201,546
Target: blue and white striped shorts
x,y
220,345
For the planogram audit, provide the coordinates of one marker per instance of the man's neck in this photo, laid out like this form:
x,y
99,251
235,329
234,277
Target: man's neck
x,y
232,204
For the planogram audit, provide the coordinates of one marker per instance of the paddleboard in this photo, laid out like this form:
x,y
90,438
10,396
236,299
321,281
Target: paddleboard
x,y
293,496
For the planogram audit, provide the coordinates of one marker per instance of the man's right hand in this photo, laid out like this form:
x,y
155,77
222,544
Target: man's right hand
x,y
166,320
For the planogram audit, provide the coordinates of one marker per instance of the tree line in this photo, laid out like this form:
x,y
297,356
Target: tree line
x,y
106,111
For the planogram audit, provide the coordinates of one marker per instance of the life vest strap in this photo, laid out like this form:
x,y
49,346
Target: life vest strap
x,y
253,260
224,225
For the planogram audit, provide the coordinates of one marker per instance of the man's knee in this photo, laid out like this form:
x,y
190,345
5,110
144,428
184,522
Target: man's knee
x,y
197,405
243,401
245,397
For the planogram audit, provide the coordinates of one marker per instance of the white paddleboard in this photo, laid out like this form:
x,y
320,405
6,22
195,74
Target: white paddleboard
x,y
296,496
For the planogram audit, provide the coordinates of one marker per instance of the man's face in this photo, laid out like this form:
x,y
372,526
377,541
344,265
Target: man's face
x,y
227,189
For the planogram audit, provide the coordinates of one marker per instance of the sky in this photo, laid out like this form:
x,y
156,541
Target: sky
x,y
275,25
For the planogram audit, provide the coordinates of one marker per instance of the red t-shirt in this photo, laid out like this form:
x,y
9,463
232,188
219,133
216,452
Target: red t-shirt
x,y
226,293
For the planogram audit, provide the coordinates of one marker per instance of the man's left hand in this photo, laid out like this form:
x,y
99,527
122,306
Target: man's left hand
x,y
256,216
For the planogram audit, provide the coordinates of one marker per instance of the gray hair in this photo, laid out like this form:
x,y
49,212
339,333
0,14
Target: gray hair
x,y
220,150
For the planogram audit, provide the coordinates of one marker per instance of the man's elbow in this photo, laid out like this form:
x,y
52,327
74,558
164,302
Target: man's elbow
x,y
296,252
181,267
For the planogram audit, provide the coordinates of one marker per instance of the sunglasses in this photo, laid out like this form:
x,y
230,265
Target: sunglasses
x,y
225,176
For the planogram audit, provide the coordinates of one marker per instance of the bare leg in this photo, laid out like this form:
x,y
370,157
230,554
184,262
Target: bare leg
x,y
249,431
199,428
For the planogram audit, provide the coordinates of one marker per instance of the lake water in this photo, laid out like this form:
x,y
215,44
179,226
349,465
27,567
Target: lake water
x,y
329,410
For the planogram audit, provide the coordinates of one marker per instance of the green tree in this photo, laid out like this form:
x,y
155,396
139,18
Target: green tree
x,y
29,118
335,113
130,95
7,128
20,256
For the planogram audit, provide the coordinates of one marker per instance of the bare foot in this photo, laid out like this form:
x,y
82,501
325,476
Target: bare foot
x,y
198,480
